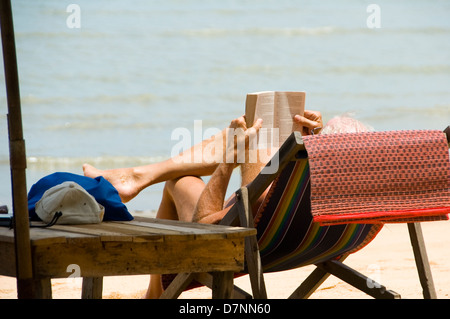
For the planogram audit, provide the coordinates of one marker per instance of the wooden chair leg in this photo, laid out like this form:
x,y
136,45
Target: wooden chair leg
x,y
206,279
177,286
420,255
310,284
357,280
252,255
92,288
41,288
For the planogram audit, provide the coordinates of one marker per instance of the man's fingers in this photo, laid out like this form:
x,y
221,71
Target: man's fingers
x,y
313,115
307,122
310,121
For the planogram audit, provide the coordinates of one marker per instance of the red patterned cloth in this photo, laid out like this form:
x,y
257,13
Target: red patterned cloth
x,y
379,177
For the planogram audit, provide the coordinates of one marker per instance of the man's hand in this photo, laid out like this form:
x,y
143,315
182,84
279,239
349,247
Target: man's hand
x,y
311,121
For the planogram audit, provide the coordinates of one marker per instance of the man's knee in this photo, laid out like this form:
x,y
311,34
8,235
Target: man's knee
x,y
171,185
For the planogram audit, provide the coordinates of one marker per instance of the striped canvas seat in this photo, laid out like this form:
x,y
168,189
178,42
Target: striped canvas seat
x,y
288,237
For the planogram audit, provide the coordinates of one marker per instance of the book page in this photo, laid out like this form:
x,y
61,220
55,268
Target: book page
x,y
288,104
264,109
260,105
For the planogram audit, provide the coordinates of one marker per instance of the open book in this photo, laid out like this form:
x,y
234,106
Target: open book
x,y
277,110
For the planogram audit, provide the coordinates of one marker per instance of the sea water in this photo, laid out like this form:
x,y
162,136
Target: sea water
x,y
107,82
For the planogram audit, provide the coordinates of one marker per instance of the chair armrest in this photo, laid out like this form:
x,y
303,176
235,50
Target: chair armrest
x,y
447,132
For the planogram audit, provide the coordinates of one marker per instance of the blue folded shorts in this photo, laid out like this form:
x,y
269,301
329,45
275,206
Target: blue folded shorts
x,y
102,190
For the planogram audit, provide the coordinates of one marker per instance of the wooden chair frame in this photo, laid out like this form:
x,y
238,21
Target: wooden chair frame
x,y
240,215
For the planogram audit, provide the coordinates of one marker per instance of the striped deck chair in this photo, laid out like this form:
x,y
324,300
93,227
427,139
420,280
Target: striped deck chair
x,y
288,237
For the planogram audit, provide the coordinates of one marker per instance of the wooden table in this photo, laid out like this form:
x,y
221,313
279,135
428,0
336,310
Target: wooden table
x,y
141,246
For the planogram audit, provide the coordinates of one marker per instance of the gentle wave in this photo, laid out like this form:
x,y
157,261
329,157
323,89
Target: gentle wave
x,y
216,32
103,162
341,70
60,34
251,31
442,110
208,32
302,31
103,125
392,69
230,32
429,115
136,98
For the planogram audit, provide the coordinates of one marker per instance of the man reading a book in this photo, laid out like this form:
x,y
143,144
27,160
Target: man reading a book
x,y
186,196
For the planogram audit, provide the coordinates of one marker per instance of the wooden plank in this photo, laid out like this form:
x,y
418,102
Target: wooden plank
x,y
148,228
131,258
170,228
129,230
97,231
7,259
107,231
6,235
44,236
201,230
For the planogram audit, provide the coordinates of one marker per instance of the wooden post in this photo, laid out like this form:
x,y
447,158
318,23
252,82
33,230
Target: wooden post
x,y
222,286
92,288
17,155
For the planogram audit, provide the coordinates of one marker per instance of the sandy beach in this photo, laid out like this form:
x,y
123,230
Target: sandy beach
x,y
388,259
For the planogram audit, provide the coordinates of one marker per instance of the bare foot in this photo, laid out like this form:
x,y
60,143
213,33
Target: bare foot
x,y
124,180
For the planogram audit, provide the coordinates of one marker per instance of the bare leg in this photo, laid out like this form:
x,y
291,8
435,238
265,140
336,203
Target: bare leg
x,y
250,170
179,199
129,182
